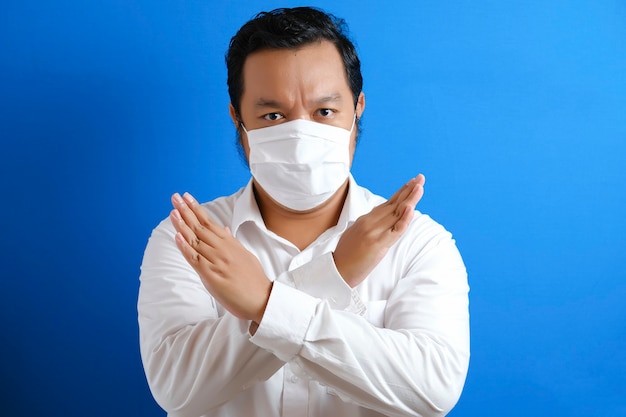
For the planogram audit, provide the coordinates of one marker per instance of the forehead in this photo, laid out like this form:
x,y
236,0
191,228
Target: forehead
x,y
314,69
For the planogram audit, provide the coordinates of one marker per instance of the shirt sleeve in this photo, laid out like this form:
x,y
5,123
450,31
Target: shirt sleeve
x,y
196,356
415,364
320,278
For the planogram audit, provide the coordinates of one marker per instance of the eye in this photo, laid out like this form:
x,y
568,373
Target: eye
x,y
272,117
326,112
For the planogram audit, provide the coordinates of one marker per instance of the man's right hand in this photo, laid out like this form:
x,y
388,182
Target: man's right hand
x,y
364,244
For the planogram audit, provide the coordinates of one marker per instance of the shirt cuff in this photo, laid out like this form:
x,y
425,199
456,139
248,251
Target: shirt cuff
x,y
285,322
320,279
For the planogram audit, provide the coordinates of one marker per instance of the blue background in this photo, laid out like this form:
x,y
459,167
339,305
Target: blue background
x,y
515,111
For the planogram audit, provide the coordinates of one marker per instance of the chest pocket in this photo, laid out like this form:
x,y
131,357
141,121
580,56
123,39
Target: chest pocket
x,y
375,312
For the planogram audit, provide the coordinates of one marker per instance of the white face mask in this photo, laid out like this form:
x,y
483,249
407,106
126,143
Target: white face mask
x,y
300,163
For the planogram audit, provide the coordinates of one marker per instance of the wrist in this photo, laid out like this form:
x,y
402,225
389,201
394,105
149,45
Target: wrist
x,y
258,315
344,272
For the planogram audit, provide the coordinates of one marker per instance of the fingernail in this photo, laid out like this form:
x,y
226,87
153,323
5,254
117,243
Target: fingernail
x,y
177,215
188,198
177,198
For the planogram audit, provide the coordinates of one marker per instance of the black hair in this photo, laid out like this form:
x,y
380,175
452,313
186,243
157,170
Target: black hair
x,y
285,29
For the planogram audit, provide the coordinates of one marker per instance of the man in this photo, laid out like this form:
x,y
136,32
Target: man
x,y
302,294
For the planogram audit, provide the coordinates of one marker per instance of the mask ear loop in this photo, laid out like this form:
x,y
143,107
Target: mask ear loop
x,y
243,126
353,122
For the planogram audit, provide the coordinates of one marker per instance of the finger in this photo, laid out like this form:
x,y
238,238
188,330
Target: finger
x,y
198,243
407,188
403,222
406,210
187,222
201,238
398,195
183,208
386,215
202,215
204,228
181,226
198,262
409,203
415,195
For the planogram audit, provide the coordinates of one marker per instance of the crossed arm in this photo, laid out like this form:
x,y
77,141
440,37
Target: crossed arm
x,y
235,277
236,280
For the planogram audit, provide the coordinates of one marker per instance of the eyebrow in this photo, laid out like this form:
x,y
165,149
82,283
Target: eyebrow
x,y
267,103
331,98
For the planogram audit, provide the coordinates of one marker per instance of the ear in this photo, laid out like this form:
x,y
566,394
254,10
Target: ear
x,y
233,115
360,105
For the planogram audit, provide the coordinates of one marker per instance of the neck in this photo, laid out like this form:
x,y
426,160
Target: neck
x,y
300,227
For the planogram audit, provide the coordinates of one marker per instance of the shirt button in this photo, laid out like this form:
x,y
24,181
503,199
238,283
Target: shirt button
x,y
293,379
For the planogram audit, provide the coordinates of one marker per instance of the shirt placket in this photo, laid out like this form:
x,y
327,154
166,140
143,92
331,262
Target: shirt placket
x,y
295,394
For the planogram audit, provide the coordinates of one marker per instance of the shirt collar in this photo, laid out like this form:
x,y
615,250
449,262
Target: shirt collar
x,y
357,204
246,210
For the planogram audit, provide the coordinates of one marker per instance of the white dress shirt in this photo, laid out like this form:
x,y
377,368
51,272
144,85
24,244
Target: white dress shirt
x,y
396,345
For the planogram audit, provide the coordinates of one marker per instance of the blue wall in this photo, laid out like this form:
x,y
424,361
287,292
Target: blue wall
x,y
516,113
